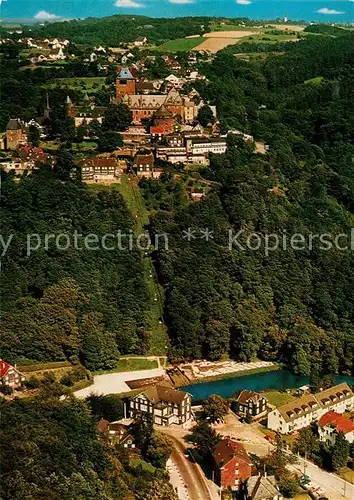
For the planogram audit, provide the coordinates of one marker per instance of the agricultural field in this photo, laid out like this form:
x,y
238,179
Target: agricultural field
x,y
230,34
180,44
218,40
289,27
269,38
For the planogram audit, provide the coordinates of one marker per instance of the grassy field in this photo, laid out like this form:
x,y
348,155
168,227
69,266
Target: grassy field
x,y
268,38
132,195
315,81
131,365
136,462
180,44
277,398
88,85
230,27
76,146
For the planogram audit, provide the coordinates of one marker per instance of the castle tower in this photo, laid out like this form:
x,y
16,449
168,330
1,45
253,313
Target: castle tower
x,y
125,83
15,135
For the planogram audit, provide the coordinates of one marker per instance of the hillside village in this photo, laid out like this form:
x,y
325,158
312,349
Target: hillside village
x,y
132,115
170,124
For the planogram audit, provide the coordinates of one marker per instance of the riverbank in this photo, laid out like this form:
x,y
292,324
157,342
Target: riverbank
x,y
231,375
274,380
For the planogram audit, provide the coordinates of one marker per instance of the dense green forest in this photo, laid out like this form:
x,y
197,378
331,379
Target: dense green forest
x,y
122,29
75,303
295,306
51,450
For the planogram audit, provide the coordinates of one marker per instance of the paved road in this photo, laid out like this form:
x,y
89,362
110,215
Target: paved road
x,y
115,383
335,487
191,474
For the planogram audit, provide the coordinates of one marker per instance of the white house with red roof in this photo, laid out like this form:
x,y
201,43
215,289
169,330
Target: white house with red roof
x,y
331,423
10,375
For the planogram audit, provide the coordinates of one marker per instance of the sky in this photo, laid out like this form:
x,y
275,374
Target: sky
x,y
309,10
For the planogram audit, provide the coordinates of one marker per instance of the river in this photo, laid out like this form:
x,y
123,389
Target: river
x,y
280,379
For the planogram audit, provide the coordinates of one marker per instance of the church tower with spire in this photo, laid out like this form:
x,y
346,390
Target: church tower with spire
x,y
47,110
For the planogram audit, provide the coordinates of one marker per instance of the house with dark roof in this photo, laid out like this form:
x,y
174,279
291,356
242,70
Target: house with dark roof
x,y
232,464
117,433
250,404
10,375
263,488
331,423
144,164
310,408
166,405
101,170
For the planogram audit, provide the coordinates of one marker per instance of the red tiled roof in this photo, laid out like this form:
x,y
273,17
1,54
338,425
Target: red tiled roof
x,y
144,159
104,162
157,130
4,367
341,423
228,449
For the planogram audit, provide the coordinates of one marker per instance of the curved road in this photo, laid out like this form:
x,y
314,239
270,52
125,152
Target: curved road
x,y
191,474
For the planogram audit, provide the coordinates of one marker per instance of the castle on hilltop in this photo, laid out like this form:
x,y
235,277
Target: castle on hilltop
x,y
145,106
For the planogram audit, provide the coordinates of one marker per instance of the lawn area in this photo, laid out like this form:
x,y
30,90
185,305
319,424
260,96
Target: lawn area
x,y
277,398
180,44
315,81
131,365
130,191
76,146
89,84
136,462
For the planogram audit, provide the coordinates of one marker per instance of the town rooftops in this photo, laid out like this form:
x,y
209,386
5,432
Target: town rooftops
x,y
14,124
246,396
160,393
262,487
334,394
145,159
145,86
291,411
4,367
163,112
125,74
300,407
227,449
340,423
157,130
98,163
